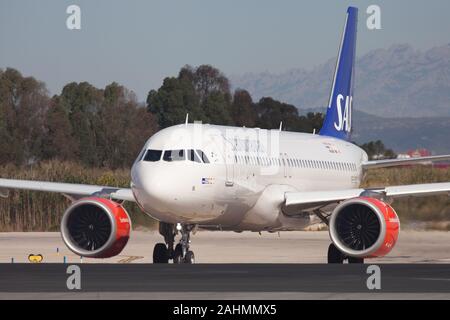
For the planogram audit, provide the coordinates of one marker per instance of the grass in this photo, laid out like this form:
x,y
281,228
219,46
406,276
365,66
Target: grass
x,y
432,208
42,211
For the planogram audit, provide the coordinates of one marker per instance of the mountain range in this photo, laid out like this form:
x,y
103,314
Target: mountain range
x,y
400,134
399,81
401,96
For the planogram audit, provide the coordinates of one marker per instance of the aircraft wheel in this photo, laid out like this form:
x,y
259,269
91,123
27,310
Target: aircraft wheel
x,y
334,255
189,258
355,260
160,253
178,254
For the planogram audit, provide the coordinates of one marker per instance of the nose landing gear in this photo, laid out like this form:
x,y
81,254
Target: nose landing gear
x,y
163,252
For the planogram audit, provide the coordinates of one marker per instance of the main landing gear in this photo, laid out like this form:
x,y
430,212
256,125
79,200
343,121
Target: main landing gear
x,y
336,256
163,252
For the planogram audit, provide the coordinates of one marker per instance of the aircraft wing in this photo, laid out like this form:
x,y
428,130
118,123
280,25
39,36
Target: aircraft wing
x,y
326,197
400,162
71,190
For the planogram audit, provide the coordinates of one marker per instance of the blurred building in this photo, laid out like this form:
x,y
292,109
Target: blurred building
x,y
422,152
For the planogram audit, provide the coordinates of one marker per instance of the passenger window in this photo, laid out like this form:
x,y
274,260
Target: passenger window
x,y
192,156
152,155
202,156
174,155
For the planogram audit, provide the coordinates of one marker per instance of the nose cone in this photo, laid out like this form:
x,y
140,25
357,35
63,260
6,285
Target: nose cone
x,y
151,188
165,191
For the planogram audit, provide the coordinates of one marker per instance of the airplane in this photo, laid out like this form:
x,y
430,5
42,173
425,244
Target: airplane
x,y
223,178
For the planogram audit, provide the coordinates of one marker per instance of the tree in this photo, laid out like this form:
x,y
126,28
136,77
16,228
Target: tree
x,y
123,127
313,121
23,104
173,100
203,92
216,108
243,110
206,80
6,123
272,112
377,150
58,142
84,101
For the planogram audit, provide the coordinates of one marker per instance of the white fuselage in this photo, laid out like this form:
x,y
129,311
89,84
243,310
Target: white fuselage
x,y
243,184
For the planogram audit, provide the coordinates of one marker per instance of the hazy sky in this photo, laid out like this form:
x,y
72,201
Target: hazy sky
x,y
138,43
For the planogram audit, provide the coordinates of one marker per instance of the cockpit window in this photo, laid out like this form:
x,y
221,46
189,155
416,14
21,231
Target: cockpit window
x,y
202,155
192,156
174,155
141,155
153,155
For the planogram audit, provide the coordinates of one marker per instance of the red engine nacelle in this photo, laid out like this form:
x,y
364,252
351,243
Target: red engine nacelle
x,y
96,227
364,227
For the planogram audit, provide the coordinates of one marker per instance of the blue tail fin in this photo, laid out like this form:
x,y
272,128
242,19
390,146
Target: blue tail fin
x,y
338,119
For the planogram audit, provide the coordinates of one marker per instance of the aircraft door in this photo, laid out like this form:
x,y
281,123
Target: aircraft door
x,y
226,150
230,162
285,164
